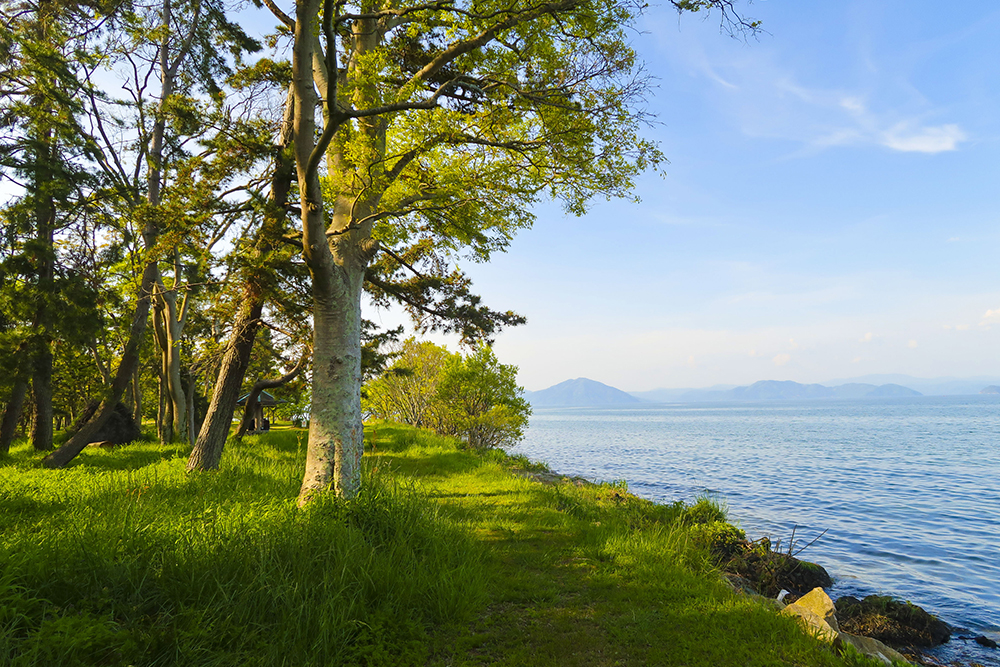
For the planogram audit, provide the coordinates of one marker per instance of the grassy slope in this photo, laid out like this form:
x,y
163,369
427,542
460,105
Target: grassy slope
x,y
447,559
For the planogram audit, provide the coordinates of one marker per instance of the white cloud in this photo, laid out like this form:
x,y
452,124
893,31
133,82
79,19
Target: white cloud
x,y
867,338
992,314
781,359
912,344
908,138
792,344
856,360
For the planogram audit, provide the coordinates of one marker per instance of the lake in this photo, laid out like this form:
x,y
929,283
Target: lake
x,y
907,489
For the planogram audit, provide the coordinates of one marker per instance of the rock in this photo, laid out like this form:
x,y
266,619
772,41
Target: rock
x,y
983,640
769,572
891,621
872,648
801,576
813,622
819,603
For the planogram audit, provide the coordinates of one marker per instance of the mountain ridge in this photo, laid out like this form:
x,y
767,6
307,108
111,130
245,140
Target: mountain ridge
x,y
580,393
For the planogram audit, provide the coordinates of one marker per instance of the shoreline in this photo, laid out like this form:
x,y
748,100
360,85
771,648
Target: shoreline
x,y
968,653
911,473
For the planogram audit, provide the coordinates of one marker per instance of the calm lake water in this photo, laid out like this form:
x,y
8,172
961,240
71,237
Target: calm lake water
x,y
908,490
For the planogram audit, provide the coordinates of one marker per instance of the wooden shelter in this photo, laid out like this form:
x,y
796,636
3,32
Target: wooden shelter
x,y
264,400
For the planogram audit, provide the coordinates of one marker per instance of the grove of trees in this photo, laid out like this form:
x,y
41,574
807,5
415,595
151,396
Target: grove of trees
x,y
187,208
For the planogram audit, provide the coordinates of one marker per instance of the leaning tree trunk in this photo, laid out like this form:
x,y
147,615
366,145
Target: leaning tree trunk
x,y
208,447
207,452
126,367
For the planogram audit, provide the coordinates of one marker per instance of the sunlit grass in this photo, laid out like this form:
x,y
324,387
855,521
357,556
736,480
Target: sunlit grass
x,y
447,558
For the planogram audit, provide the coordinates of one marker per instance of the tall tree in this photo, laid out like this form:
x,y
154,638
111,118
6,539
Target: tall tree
x,y
442,123
46,155
180,42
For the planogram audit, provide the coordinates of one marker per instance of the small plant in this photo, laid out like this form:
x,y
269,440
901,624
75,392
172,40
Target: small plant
x,y
704,511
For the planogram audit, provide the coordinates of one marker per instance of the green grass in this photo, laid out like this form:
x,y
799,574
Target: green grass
x,y
447,558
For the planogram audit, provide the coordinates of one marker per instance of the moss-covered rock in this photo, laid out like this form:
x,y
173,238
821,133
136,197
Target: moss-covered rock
x,y
891,621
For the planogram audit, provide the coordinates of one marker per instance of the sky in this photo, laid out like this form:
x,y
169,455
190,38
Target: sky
x,y
830,210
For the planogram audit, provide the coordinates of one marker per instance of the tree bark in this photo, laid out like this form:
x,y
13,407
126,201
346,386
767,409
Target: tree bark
x,y
12,414
137,396
336,431
41,392
207,452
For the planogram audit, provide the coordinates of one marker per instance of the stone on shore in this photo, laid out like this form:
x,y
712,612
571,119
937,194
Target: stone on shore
x,y
816,611
819,603
872,648
891,621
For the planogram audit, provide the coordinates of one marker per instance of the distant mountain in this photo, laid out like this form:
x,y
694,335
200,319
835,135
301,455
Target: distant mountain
x,y
892,390
779,390
942,386
579,393
992,389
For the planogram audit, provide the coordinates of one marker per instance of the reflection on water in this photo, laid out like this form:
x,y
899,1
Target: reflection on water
x,y
908,490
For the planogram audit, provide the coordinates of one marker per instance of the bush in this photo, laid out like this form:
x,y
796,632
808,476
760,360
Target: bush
x,y
475,397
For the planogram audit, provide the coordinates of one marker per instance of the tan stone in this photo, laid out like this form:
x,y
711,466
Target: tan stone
x,y
819,603
813,622
873,648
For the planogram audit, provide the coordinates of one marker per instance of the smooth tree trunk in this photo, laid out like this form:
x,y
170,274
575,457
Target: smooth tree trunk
x,y
336,431
137,396
192,378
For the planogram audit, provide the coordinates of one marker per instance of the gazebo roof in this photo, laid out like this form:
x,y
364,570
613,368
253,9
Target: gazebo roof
x,y
265,399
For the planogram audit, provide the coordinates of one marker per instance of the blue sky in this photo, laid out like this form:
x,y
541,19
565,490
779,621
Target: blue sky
x,y
830,210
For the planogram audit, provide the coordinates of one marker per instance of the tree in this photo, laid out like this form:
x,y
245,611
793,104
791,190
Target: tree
x,y
474,397
183,46
45,155
407,392
482,401
442,123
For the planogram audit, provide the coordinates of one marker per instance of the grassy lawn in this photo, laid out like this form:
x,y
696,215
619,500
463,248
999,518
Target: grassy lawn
x,y
447,558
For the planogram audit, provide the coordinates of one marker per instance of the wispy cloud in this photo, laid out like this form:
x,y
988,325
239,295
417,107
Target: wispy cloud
x,y
909,138
770,101
781,359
